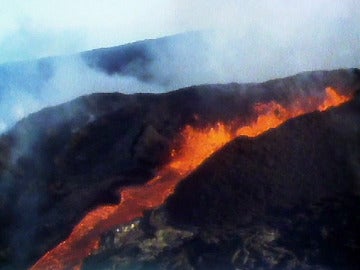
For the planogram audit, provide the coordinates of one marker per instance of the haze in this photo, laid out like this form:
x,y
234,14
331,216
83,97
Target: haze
x,y
251,41
38,28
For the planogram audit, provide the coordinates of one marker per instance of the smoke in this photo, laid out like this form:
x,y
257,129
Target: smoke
x,y
252,41
28,41
27,90
262,40
72,78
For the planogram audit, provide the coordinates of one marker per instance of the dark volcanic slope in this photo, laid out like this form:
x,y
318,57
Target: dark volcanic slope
x,y
288,199
301,179
308,158
59,163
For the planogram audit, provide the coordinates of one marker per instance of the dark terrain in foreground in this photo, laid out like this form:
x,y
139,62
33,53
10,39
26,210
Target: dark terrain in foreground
x,y
257,202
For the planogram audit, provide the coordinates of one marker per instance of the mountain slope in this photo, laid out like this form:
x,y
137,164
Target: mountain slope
x,y
76,155
308,158
288,199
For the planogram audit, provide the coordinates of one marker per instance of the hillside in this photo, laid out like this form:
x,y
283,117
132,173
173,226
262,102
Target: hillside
x,y
61,162
288,199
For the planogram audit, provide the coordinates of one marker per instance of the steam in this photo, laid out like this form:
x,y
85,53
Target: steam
x,y
72,78
69,78
253,41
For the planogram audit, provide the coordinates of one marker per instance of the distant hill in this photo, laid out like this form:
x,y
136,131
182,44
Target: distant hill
x,y
144,66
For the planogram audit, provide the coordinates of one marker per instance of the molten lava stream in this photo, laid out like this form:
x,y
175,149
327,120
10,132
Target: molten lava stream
x,y
197,145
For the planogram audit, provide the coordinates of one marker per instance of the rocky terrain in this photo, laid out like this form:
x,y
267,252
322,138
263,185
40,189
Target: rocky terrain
x,y
250,205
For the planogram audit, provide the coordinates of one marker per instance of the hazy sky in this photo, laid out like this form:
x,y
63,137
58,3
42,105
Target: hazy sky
x,y
37,28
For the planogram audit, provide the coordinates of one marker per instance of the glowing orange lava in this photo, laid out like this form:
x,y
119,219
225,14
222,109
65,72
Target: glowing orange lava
x,y
197,145
271,115
332,99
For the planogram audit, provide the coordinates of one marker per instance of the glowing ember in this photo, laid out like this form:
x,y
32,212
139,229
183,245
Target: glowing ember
x,y
197,146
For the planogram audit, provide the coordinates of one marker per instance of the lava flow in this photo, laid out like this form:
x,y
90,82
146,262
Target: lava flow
x,y
197,145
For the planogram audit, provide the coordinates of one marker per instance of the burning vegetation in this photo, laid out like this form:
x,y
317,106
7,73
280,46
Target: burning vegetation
x,y
193,147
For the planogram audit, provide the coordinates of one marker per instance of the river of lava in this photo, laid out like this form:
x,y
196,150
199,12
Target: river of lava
x,y
197,145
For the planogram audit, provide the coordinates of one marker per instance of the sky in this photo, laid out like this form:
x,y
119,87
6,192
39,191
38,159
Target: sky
x,y
37,28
